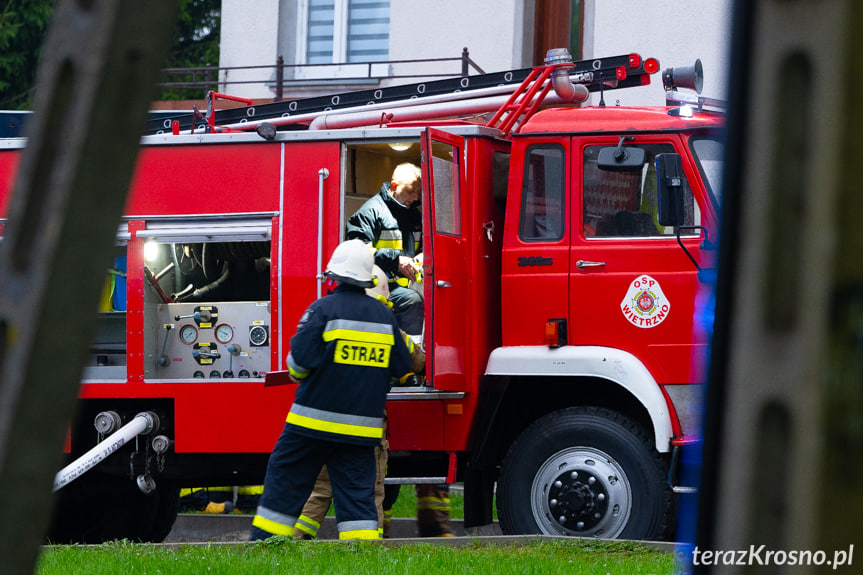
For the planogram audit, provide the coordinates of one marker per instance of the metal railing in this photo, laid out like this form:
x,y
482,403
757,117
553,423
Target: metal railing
x,y
208,78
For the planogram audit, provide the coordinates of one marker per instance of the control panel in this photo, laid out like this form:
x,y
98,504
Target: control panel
x,y
213,340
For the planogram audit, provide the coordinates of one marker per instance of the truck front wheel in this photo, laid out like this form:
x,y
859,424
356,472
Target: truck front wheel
x,y
586,472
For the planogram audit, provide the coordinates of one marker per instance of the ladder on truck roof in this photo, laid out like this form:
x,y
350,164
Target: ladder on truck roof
x,y
596,75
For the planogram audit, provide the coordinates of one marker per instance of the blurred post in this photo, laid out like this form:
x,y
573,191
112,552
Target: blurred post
x,y
97,76
783,450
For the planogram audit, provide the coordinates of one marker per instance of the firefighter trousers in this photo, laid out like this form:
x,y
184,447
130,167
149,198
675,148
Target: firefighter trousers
x,y
294,466
315,509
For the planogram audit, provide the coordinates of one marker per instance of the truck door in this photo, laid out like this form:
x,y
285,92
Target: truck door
x,y
445,263
633,287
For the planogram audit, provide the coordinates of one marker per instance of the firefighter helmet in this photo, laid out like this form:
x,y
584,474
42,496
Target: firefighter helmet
x,y
352,263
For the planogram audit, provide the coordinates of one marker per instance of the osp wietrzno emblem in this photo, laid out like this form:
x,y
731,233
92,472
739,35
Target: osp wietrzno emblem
x,y
645,305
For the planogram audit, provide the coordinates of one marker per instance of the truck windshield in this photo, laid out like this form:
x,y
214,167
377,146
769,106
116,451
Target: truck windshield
x,y
709,153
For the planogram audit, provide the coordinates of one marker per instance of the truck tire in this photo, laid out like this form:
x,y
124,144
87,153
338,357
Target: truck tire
x,y
98,508
586,472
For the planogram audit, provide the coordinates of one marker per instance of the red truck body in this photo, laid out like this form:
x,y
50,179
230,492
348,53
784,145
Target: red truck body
x,y
553,299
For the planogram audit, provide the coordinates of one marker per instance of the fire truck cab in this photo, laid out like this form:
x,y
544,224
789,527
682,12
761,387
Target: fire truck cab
x,y
561,281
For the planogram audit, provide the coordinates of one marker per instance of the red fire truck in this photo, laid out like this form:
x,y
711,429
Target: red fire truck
x,y
563,245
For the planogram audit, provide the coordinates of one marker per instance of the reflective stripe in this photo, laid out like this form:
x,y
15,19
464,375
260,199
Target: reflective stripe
x,y
359,331
390,239
433,503
361,353
360,534
309,521
307,525
333,422
186,491
274,522
410,343
250,490
359,529
295,369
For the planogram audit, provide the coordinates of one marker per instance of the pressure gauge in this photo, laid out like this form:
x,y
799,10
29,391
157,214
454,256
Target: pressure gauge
x,y
188,334
258,335
224,333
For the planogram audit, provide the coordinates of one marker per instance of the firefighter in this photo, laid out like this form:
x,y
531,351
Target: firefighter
x,y
391,223
315,509
344,354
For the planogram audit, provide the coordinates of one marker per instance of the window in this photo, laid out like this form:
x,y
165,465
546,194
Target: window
x,y
542,205
446,188
709,153
618,204
347,31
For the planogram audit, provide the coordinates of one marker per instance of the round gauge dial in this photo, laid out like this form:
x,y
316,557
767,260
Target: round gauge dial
x,y
224,333
188,334
258,335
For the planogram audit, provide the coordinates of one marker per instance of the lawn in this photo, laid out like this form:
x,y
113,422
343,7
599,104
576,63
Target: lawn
x,y
537,556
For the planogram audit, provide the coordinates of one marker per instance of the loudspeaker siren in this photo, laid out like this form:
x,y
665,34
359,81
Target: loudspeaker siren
x,y
690,77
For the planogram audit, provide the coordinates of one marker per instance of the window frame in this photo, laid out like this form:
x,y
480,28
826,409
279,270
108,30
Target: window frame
x,y
524,193
338,67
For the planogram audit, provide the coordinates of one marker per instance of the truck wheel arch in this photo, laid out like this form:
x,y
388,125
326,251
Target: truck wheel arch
x,y
615,365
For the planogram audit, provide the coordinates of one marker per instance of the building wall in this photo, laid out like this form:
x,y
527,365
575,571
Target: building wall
x,y
493,31
497,33
249,37
256,32
674,32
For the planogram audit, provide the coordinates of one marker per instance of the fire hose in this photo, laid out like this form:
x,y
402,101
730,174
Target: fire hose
x,y
143,423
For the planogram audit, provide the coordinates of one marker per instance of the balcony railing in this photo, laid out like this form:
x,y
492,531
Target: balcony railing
x,y
279,75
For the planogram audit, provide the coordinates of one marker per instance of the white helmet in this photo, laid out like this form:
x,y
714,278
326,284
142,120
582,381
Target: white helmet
x,y
352,263
381,290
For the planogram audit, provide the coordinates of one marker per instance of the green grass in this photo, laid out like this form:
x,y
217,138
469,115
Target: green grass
x,y
279,555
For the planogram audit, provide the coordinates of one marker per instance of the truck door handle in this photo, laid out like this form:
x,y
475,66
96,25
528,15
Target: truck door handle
x,y
443,283
581,264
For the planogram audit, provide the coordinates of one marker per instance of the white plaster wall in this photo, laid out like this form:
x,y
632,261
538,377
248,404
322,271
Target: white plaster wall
x,y
249,37
674,31
492,31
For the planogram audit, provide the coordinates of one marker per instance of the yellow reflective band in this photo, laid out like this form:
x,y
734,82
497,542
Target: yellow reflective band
x,y
354,335
332,427
394,244
296,374
433,503
271,526
403,281
250,490
308,530
358,353
410,343
309,520
360,534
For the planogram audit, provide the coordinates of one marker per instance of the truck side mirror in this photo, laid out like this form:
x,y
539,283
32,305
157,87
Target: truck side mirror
x,y
620,159
669,183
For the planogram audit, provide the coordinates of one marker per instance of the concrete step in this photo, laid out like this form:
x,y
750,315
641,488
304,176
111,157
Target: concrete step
x,y
198,527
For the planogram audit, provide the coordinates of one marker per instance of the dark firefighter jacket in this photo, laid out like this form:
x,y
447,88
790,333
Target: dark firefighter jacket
x,y
346,352
391,228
